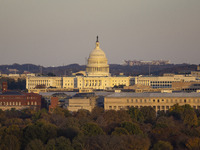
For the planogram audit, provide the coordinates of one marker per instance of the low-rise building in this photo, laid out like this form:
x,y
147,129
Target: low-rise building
x,y
19,100
163,81
159,101
79,101
186,86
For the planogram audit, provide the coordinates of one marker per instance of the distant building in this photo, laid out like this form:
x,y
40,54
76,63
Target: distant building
x,y
186,86
13,70
163,81
17,76
195,73
79,101
18,100
158,101
54,104
140,63
96,76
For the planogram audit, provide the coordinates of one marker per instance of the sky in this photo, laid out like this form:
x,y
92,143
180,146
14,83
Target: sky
x,y
62,32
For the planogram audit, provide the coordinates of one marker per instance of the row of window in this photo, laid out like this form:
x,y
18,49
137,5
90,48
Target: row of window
x,y
69,84
38,84
161,82
31,103
119,81
163,100
10,97
31,97
92,84
93,81
16,103
10,103
155,107
44,81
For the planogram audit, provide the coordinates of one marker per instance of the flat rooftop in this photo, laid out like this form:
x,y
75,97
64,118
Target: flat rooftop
x,y
123,94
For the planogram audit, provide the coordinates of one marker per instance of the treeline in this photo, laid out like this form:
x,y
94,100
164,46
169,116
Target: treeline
x,y
115,69
138,129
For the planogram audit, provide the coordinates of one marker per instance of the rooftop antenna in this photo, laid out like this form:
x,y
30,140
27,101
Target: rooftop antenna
x,y
97,39
149,69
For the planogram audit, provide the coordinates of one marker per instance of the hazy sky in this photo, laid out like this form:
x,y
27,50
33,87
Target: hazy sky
x,y
61,32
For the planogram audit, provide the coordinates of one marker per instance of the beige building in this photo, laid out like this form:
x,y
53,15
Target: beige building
x,y
97,76
33,82
186,86
195,73
159,101
163,81
85,101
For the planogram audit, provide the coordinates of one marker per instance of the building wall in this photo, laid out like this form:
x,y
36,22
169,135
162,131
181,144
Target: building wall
x,y
54,104
116,81
32,82
76,104
26,100
78,82
68,82
158,103
186,86
195,73
163,81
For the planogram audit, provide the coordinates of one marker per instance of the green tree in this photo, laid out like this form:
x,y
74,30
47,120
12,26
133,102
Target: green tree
x,y
114,117
185,113
39,114
70,132
162,145
96,112
40,130
78,142
14,130
51,145
149,114
135,142
189,116
10,142
136,114
82,113
92,129
132,128
60,143
35,144
120,131
176,111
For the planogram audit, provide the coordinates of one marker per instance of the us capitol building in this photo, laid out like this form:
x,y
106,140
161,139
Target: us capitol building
x,y
96,76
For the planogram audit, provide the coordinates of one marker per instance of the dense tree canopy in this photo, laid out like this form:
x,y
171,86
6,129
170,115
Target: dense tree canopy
x,y
125,129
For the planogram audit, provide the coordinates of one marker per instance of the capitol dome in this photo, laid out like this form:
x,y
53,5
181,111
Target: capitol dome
x,y
97,62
